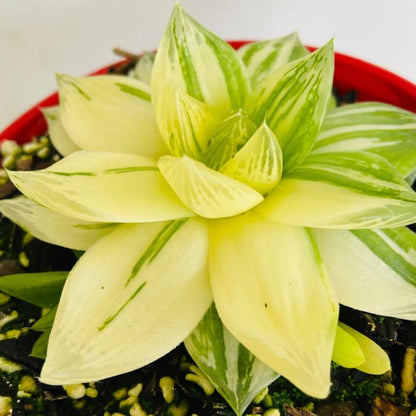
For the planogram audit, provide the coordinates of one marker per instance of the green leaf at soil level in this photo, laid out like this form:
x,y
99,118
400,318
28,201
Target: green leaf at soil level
x,y
41,289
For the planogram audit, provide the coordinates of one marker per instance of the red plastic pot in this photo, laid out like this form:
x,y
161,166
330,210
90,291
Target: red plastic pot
x,y
372,83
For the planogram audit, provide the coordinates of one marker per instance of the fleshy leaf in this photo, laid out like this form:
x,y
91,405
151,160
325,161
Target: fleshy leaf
x,y
143,69
376,359
372,127
49,226
185,123
46,321
200,64
192,60
110,113
263,58
294,101
347,352
118,301
347,190
102,186
236,373
41,289
207,192
263,299
59,138
40,346
372,270
230,137
259,163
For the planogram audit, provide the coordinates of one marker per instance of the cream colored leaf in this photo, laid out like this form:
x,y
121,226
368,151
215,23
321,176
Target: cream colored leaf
x,y
130,299
109,113
102,187
192,62
346,190
59,138
51,227
259,164
272,294
371,269
206,192
185,123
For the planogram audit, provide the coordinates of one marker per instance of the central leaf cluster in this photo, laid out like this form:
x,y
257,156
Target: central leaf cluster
x,y
240,127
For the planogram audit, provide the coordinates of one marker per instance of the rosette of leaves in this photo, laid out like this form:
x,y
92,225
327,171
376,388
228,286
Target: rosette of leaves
x,y
227,181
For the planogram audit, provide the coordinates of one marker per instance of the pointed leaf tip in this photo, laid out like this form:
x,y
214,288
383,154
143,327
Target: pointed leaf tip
x,y
236,373
109,113
121,289
293,100
263,299
259,163
207,192
194,61
59,137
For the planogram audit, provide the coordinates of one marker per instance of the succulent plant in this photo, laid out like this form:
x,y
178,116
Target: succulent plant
x,y
227,205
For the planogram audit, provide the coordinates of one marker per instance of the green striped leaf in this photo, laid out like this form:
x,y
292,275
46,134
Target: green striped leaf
x,y
372,127
236,373
376,359
204,191
229,138
372,270
294,101
259,163
102,186
192,60
185,123
59,137
49,226
263,58
264,297
109,113
343,190
117,312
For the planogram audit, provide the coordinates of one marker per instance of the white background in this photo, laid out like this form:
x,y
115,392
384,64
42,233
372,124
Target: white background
x,y
41,37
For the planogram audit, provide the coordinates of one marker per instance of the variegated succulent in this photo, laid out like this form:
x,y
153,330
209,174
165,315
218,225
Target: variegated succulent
x,y
227,204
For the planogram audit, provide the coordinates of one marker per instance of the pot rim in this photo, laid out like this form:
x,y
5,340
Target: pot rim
x,y
373,83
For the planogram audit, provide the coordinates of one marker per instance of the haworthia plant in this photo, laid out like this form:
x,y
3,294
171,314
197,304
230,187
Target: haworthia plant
x,y
230,178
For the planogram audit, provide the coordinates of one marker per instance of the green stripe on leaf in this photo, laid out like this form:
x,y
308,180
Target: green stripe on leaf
x,y
372,127
265,57
396,247
136,92
293,101
197,80
236,373
156,245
